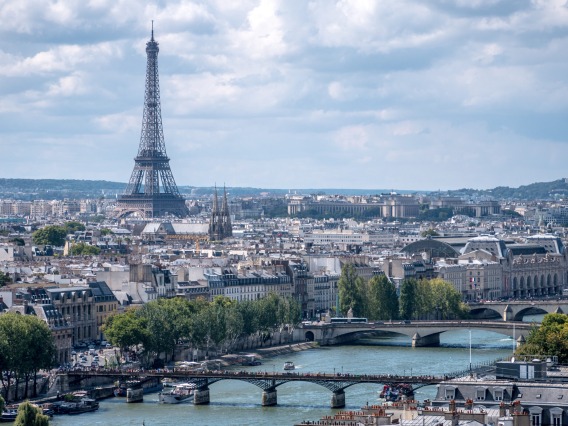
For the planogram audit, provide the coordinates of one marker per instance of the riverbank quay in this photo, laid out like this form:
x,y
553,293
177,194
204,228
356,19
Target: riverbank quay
x,y
266,353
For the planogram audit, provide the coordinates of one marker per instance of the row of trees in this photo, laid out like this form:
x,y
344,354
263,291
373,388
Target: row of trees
x,y
26,346
377,298
160,325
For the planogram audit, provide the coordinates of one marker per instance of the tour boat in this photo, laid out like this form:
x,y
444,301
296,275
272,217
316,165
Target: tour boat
x,y
9,414
179,393
289,365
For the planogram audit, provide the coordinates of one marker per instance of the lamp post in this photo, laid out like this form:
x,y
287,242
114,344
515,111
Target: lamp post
x,y
469,350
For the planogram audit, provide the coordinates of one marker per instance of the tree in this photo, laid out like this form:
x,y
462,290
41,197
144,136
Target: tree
x,y
40,353
234,325
83,249
26,346
125,329
72,227
106,231
349,286
429,233
4,279
446,299
407,302
52,235
167,321
30,415
19,241
383,300
549,339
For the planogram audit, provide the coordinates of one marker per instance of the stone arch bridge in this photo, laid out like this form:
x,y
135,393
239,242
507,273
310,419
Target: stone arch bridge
x,y
516,310
422,333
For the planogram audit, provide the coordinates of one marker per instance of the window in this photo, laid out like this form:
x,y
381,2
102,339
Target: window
x,y
480,394
498,395
450,393
556,416
536,416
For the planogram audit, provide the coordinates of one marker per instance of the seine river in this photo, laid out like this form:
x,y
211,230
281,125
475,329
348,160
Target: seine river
x,y
239,403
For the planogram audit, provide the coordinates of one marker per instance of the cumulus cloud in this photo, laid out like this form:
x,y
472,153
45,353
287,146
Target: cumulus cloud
x,y
438,94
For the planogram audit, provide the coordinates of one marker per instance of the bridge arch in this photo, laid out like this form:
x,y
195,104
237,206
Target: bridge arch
x,y
309,336
529,310
485,312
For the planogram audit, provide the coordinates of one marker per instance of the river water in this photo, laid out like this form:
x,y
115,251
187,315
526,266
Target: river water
x,y
239,403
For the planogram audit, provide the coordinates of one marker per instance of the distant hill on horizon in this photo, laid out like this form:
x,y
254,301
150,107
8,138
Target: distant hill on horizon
x,y
28,189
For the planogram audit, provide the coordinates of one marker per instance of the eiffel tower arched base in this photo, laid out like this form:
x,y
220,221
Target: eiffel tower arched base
x,y
148,207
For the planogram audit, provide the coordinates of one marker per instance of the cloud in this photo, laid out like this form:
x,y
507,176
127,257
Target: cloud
x,y
348,93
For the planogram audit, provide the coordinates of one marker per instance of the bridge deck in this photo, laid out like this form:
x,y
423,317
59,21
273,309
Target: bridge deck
x,y
245,375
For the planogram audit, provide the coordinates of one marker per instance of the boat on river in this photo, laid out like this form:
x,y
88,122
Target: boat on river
x,y
179,393
135,394
396,392
78,403
9,414
289,365
250,360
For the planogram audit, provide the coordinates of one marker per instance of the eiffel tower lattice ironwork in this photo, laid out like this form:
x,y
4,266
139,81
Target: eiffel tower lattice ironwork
x,y
152,190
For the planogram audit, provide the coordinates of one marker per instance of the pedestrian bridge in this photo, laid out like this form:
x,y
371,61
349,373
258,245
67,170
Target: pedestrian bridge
x,y
516,310
422,333
267,381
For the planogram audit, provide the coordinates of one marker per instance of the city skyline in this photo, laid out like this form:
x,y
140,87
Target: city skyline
x,y
289,94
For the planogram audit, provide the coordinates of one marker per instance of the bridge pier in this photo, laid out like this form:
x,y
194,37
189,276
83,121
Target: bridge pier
x,y
201,396
63,384
338,399
269,397
430,340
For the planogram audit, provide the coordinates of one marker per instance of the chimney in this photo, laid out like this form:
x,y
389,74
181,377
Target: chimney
x,y
455,419
502,409
452,406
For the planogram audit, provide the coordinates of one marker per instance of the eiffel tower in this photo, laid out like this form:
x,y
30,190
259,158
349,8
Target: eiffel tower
x,y
152,190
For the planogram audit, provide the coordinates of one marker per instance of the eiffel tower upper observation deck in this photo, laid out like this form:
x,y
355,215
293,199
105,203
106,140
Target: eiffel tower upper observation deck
x,y
152,190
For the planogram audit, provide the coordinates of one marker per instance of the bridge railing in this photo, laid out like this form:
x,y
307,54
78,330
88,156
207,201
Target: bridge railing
x,y
476,366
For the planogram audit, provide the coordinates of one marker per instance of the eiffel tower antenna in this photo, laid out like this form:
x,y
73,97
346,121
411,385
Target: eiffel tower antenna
x,y
152,190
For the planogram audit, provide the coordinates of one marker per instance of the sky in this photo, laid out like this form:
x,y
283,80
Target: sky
x,y
394,94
